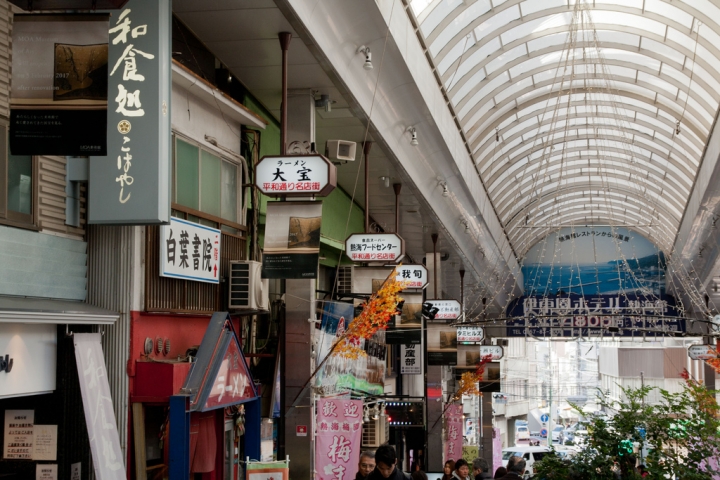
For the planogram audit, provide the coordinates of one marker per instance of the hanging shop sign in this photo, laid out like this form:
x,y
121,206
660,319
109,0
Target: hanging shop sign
x,y
28,358
442,344
453,432
68,4
702,352
190,251
338,374
410,359
470,334
625,315
220,376
339,437
292,240
295,176
414,276
59,90
447,309
130,184
107,456
496,352
375,247
406,328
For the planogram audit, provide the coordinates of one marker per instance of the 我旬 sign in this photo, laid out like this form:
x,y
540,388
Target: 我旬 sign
x,y
414,276
375,247
295,175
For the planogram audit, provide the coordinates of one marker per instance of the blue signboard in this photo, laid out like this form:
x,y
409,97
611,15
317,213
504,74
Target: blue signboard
x,y
544,418
573,315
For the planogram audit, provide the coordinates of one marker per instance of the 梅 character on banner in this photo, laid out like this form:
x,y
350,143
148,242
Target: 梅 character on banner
x,y
338,440
453,432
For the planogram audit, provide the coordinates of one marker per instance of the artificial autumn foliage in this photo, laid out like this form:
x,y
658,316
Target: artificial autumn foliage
x,y
376,315
469,380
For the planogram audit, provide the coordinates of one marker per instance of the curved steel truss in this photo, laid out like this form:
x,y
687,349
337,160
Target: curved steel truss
x,y
580,112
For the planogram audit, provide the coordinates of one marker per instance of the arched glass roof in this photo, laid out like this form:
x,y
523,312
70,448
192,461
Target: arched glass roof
x,y
580,112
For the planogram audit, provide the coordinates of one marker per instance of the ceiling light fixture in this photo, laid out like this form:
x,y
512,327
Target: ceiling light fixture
x,y
413,136
445,192
368,57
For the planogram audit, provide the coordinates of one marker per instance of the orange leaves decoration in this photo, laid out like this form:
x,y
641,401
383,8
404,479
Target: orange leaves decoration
x,y
376,315
714,362
702,396
469,380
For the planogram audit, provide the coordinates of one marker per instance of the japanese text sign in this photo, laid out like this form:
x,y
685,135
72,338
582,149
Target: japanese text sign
x,y
447,309
594,315
453,432
410,359
338,441
702,352
375,247
19,425
470,334
131,185
496,352
232,384
295,175
190,251
414,276
98,406
59,93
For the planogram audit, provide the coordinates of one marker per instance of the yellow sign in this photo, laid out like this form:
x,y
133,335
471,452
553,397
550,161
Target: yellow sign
x,y
470,453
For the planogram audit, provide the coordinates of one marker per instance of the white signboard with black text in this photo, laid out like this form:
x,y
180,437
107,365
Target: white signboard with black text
x,y
496,351
447,309
374,247
410,359
470,334
19,427
414,276
190,251
702,352
28,358
295,175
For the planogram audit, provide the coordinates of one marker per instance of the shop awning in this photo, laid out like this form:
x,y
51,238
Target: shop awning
x,y
43,310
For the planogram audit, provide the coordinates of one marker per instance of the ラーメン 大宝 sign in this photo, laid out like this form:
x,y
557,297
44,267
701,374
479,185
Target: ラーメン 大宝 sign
x,y
295,175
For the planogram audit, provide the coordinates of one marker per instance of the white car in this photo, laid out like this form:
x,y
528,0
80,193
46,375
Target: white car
x,y
530,454
522,434
557,434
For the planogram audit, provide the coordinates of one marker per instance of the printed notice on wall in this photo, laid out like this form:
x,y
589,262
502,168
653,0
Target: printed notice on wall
x,y
46,472
45,442
19,434
75,471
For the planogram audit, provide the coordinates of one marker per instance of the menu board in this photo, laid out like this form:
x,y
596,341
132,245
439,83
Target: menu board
x,y
19,434
45,442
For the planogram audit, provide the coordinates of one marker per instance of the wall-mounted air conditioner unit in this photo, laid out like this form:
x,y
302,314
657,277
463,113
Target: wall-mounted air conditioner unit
x,y
375,432
247,290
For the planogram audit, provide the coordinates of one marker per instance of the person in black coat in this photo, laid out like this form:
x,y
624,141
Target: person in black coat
x,y
386,465
516,469
481,469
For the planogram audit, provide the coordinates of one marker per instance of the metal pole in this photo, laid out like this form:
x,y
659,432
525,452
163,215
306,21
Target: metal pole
x,y
462,293
434,237
397,187
366,150
285,38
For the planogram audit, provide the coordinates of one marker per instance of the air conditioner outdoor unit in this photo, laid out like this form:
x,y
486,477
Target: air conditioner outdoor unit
x,y
247,290
342,150
375,432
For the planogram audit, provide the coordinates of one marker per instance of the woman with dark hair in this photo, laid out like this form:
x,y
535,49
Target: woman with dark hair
x,y
419,475
462,470
448,470
500,472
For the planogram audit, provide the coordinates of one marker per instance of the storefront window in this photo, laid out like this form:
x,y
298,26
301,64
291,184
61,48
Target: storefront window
x,y
205,182
16,185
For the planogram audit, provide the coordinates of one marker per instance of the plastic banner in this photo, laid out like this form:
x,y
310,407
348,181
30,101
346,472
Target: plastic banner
x,y
453,432
339,438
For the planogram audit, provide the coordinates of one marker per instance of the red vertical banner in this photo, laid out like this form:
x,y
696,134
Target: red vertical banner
x,y
339,438
453,432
